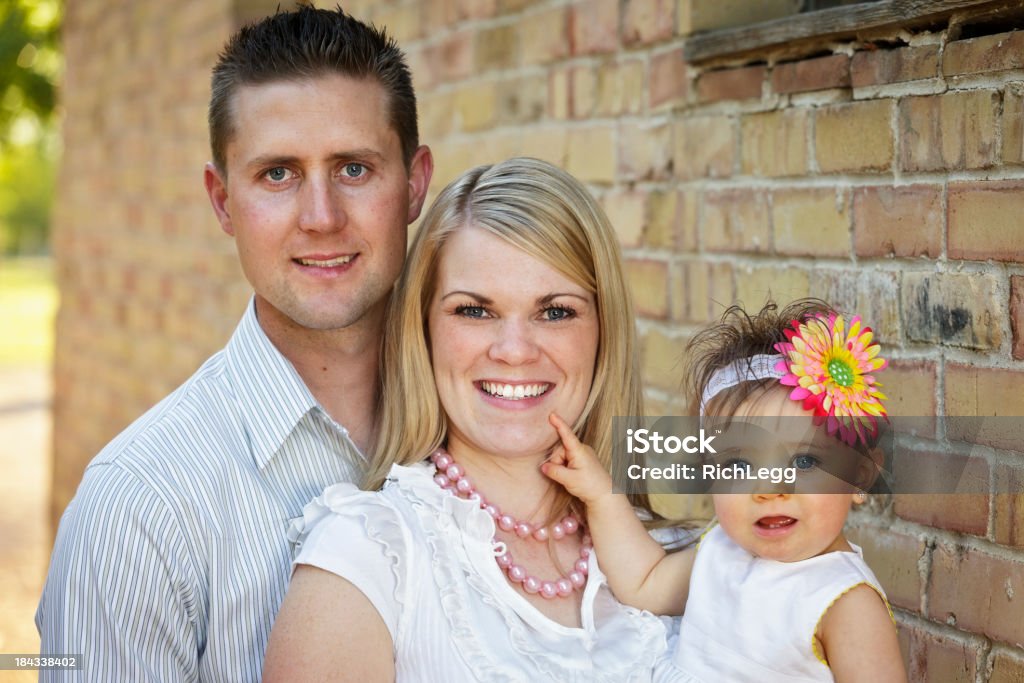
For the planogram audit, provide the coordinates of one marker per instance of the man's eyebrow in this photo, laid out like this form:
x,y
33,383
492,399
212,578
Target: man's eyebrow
x,y
270,160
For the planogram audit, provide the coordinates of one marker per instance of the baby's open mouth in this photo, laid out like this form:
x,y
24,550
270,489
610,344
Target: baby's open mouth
x,y
776,522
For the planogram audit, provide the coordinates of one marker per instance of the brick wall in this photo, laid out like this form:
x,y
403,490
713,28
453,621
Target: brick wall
x,y
884,176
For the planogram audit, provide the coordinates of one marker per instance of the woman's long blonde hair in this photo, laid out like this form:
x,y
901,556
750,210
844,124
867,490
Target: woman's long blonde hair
x,y
547,213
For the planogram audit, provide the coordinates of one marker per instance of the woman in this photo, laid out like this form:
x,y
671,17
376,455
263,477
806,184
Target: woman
x,y
472,565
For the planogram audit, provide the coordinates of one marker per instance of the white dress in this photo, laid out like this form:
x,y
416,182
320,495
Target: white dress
x,y
425,560
752,619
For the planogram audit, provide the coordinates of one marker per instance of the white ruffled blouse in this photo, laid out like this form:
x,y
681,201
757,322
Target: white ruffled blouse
x,y
425,560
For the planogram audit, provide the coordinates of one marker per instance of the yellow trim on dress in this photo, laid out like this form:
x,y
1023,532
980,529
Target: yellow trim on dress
x,y
820,656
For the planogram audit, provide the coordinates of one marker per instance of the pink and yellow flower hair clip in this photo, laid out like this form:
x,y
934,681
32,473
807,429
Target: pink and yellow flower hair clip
x,y
829,368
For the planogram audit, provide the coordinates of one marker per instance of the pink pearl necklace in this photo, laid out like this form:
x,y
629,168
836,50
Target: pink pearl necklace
x,y
452,478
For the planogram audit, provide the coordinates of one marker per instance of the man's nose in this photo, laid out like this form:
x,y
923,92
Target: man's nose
x,y
320,208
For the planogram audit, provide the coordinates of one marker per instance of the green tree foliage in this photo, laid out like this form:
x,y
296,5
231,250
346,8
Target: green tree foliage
x,y
30,64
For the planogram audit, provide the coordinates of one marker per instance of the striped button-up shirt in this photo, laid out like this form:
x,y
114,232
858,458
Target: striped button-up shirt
x,y
172,560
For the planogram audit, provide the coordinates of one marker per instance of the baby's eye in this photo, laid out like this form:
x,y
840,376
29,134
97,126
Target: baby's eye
x,y
554,313
805,462
738,461
471,311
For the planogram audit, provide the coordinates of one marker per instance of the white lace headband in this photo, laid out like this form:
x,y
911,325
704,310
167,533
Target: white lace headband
x,y
742,370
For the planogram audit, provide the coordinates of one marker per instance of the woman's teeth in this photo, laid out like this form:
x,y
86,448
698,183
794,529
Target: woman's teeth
x,y
514,393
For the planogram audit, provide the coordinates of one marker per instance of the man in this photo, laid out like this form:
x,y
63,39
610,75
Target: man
x,y
172,560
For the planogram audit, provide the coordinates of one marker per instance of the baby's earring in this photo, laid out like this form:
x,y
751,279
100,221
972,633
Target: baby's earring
x,y
860,497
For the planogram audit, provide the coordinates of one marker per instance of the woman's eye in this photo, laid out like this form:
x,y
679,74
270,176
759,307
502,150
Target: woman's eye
x,y
354,170
558,313
470,311
277,174
805,462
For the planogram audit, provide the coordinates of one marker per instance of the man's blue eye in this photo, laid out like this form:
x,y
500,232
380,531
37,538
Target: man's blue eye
x,y
277,174
805,462
354,170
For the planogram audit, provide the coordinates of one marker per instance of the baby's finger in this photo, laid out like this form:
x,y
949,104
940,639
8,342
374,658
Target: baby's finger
x,y
557,456
564,431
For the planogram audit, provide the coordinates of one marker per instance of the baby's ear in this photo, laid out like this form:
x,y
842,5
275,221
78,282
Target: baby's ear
x,y
869,468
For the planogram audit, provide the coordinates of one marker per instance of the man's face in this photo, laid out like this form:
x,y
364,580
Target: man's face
x,y
318,199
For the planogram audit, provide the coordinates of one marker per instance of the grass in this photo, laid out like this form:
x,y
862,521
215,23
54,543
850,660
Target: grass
x,y
28,304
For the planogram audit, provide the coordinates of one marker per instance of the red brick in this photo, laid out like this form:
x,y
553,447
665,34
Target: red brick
x,y
898,221
731,84
736,220
893,557
943,659
594,26
953,309
985,221
877,67
944,490
986,54
647,21
1013,124
1008,506
812,74
668,79
953,131
977,592
1017,315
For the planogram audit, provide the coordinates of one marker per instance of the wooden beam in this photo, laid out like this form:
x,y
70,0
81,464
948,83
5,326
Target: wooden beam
x,y
832,23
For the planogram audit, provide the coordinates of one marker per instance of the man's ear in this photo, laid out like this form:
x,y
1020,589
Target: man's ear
x,y
420,171
217,190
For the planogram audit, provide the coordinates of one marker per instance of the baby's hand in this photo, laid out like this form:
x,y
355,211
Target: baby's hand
x,y
574,465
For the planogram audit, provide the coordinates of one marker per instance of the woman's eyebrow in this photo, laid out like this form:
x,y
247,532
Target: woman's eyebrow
x,y
473,295
554,295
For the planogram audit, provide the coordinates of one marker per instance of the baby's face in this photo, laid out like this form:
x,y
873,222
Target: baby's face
x,y
778,521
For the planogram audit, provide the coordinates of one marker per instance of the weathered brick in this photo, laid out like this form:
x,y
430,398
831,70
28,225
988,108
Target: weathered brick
x,y
953,309
647,21
877,67
1007,666
591,154
620,88
404,23
942,659
671,220
854,137
583,91
898,221
987,54
522,100
649,281
953,131
756,284
660,360
774,143
704,15
910,386
595,26
736,220
1017,315
870,293
977,592
497,48
691,285
704,147
560,97
1008,505
984,221
453,56
984,392
811,222
927,483
669,83
731,84
477,106
544,36
894,559
1013,124
625,209
645,150
806,75
553,144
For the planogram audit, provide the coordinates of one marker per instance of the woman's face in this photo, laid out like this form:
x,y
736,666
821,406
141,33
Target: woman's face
x,y
512,340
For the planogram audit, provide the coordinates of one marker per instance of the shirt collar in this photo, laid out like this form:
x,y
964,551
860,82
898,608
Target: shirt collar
x,y
271,394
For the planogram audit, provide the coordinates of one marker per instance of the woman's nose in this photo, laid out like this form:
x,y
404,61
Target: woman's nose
x,y
515,343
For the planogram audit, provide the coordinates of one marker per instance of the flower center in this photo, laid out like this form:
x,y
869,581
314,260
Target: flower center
x,y
840,372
